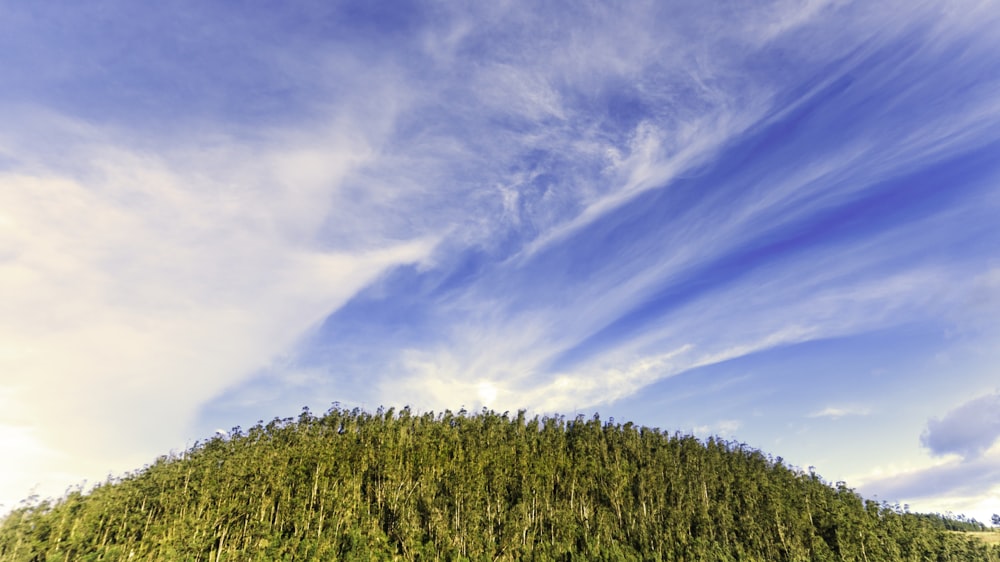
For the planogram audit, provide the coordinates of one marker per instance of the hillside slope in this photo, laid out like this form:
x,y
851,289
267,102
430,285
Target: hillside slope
x,y
351,485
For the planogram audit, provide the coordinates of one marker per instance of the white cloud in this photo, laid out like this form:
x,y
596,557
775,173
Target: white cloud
x,y
144,284
721,428
781,17
837,412
969,430
947,484
654,158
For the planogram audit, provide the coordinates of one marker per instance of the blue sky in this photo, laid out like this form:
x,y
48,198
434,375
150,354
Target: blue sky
x,y
775,222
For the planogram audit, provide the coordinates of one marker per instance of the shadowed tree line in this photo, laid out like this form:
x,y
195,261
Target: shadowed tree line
x,y
354,485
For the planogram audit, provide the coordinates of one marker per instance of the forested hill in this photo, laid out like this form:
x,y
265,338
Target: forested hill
x,y
351,485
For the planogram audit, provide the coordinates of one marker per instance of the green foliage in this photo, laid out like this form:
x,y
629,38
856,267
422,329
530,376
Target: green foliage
x,y
952,523
352,485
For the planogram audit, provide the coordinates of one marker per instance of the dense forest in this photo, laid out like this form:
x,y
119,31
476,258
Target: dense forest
x,y
354,485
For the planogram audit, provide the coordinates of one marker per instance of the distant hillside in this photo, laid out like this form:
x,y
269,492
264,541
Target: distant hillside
x,y
351,485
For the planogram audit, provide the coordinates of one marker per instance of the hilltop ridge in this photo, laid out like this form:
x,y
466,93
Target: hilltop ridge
x,y
354,485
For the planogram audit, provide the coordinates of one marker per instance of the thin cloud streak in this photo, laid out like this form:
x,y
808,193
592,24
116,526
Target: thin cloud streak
x,y
849,172
967,480
835,412
781,305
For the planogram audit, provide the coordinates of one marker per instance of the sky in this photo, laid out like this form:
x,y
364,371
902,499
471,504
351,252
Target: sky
x,y
774,222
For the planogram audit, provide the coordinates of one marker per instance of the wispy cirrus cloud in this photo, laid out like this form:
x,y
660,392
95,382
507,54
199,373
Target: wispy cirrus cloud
x,y
718,174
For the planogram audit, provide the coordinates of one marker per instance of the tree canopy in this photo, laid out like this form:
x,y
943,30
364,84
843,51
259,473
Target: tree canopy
x,y
355,485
